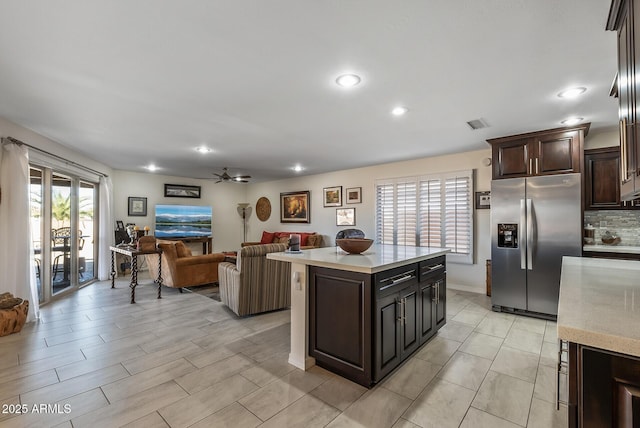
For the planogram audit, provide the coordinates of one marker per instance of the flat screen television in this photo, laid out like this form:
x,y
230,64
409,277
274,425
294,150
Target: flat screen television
x,y
182,221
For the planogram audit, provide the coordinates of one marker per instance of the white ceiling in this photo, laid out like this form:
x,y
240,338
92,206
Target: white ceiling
x,y
133,82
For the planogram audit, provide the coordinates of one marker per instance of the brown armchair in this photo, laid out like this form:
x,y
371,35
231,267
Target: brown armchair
x,y
179,267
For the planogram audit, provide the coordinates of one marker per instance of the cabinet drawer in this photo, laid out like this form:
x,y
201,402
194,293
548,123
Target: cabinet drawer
x,y
394,280
431,267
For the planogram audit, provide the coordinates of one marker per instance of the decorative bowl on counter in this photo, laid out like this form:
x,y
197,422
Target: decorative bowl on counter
x,y
609,238
354,245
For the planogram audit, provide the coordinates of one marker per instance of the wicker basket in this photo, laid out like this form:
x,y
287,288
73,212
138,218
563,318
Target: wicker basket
x,y
12,320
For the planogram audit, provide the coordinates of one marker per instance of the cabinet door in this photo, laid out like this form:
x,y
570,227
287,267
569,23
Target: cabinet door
x,y
626,79
409,325
441,302
511,159
427,311
556,153
388,354
602,179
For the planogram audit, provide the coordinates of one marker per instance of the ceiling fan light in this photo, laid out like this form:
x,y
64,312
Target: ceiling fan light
x,y
203,149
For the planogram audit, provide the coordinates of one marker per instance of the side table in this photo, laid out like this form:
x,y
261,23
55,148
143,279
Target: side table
x,y
133,253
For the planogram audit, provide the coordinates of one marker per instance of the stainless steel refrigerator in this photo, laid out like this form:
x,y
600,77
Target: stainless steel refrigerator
x,y
534,222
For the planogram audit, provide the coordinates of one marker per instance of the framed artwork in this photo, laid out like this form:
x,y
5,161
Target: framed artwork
x,y
181,191
295,208
345,217
354,195
332,196
483,200
137,206
119,225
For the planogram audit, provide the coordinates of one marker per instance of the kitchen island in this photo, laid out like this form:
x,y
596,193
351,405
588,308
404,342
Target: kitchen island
x,y
360,315
599,318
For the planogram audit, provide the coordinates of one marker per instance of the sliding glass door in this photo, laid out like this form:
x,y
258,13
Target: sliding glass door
x,y
63,229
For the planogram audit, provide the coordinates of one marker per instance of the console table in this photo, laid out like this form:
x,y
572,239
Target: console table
x,y
133,253
207,242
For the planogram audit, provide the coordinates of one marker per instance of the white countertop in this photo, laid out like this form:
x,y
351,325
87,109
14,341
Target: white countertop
x,y
376,259
600,303
612,248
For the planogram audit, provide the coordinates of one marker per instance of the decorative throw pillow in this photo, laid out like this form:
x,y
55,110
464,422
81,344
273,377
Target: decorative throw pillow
x,y
267,237
313,241
183,250
283,240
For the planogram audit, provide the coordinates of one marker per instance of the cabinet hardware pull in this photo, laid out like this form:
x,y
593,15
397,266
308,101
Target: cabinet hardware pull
x,y
404,311
438,266
402,279
537,170
399,303
624,176
530,166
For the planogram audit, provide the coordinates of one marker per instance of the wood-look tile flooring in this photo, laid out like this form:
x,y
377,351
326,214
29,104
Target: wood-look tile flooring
x,y
187,361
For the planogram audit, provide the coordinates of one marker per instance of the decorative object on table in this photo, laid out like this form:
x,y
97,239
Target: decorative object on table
x,y
609,238
294,243
181,191
354,195
345,217
354,245
245,211
589,234
134,233
295,207
13,313
263,209
119,225
137,207
483,200
349,233
332,196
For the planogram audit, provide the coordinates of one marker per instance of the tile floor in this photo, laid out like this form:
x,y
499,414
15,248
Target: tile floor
x,y
186,361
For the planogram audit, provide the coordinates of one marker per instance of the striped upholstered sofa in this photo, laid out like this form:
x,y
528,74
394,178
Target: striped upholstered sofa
x,y
255,284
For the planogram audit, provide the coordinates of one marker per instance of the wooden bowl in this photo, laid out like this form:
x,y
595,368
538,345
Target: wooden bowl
x,y
354,245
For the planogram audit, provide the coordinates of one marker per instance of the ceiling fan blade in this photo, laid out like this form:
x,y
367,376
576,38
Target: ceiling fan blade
x,y
243,176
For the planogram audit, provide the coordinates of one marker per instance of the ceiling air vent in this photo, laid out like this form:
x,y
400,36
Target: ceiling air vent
x,y
477,124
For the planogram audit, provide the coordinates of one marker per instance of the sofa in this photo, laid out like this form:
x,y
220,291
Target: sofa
x,y
255,284
308,240
179,267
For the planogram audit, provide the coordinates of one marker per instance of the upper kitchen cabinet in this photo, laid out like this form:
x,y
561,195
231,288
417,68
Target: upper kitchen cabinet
x,y
623,15
553,151
602,180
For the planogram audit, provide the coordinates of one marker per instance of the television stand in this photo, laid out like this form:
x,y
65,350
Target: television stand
x,y
207,242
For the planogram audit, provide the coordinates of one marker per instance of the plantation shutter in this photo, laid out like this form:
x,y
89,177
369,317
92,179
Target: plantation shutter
x,y
458,214
433,211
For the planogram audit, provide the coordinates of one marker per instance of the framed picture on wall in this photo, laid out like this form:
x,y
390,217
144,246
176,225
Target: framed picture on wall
x,y
181,191
354,195
294,207
137,206
332,196
483,200
345,217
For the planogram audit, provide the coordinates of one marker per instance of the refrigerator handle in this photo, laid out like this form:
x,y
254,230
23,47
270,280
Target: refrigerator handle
x,y
523,250
529,235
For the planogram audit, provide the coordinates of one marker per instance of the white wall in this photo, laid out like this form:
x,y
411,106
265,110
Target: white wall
x,y
602,139
323,220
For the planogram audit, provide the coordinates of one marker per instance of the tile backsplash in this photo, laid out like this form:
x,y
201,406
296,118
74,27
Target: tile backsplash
x,y
625,223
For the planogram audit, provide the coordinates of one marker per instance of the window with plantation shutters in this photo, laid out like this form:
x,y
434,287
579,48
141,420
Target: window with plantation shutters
x,y
427,211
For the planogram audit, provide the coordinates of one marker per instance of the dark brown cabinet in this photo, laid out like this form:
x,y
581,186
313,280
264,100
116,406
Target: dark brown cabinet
x,y
602,180
553,151
604,388
623,17
363,326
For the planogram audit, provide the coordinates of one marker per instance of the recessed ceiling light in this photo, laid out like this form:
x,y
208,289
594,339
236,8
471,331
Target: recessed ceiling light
x,y
203,149
572,92
297,168
152,167
399,111
348,80
572,121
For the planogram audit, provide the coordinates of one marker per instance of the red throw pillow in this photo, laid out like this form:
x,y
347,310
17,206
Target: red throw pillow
x,y
267,237
303,238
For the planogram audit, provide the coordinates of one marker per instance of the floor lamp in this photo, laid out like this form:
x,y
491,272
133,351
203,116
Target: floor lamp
x,y
245,211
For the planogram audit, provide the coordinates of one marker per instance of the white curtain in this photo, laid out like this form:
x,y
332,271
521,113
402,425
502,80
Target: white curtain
x,y
17,270
105,228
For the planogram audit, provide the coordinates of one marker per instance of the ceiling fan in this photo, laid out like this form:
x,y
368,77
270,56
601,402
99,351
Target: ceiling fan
x,y
226,177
